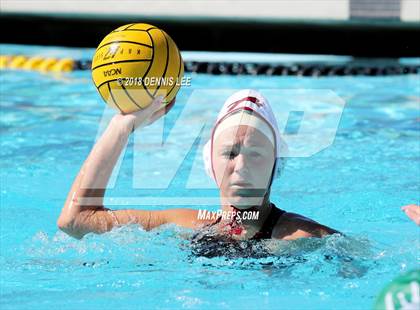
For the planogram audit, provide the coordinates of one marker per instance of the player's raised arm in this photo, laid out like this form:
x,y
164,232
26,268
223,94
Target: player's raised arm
x,y
83,211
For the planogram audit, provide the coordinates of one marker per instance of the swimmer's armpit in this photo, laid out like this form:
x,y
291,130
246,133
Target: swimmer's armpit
x,y
145,218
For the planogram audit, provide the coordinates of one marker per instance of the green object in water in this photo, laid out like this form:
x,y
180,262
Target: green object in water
x,y
403,293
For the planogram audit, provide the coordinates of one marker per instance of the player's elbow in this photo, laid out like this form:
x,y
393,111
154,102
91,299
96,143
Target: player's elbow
x,y
63,222
67,226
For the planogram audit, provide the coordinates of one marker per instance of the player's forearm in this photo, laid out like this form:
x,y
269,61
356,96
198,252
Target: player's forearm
x,y
98,167
89,187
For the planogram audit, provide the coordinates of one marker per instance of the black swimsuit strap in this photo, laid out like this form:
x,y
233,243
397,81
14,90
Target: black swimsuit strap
x,y
269,224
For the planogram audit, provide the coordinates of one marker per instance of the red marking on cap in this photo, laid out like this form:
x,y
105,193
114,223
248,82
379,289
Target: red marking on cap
x,y
251,99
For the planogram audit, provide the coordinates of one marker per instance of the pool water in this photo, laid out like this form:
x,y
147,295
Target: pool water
x,y
357,185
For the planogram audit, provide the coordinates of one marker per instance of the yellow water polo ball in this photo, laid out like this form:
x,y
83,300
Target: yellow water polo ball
x,y
134,64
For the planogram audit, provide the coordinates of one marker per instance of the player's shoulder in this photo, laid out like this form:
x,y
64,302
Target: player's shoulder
x,y
292,226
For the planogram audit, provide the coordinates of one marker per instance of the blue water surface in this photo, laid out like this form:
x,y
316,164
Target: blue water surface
x,y
357,185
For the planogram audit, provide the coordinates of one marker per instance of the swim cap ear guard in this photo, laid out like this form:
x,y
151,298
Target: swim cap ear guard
x,y
279,165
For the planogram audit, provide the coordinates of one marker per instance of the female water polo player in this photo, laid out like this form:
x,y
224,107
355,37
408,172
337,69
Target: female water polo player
x,y
242,156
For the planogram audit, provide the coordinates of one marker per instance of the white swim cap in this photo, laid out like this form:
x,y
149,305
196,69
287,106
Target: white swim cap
x,y
261,117
244,117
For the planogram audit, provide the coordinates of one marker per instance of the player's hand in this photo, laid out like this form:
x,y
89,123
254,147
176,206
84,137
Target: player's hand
x,y
413,212
162,111
146,116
